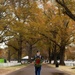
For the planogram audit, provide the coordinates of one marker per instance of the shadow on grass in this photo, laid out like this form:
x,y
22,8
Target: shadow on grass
x,y
73,68
59,74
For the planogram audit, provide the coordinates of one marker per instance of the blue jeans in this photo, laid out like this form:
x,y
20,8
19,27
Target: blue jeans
x,y
37,70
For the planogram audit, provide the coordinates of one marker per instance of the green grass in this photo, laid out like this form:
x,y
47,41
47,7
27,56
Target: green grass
x,y
1,60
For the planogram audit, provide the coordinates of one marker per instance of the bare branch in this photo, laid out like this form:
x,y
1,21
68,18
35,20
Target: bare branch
x,y
67,11
50,39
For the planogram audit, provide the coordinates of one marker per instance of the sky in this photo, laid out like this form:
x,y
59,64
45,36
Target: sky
x,y
2,45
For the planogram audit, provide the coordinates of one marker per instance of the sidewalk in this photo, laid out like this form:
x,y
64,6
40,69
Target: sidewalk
x,y
46,70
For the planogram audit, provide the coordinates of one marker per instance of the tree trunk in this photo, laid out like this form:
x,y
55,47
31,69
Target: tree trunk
x,y
30,53
9,56
20,50
55,54
49,52
62,53
19,55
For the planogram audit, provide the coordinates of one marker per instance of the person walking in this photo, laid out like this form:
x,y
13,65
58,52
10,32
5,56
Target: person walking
x,y
38,63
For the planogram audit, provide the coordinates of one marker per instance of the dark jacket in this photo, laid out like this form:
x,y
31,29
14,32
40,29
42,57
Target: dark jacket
x,y
38,60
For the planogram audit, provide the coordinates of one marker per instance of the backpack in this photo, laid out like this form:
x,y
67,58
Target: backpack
x,y
38,61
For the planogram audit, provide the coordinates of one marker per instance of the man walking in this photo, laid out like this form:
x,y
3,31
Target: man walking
x,y
38,63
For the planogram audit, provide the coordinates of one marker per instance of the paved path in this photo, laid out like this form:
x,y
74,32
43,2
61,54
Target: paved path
x,y
46,70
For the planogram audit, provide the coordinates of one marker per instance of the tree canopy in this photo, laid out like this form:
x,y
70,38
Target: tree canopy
x,y
31,25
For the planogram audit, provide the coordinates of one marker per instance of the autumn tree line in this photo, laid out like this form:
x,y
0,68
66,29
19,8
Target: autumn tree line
x,y
30,25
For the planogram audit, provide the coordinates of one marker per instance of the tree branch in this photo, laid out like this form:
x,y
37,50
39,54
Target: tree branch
x,y
12,47
67,11
50,39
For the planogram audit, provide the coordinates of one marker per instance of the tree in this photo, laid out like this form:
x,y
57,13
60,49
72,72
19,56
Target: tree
x,y
67,11
23,24
3,21
57,31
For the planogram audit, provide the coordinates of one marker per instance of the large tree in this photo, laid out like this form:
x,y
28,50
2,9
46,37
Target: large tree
x,y
23,24
57,30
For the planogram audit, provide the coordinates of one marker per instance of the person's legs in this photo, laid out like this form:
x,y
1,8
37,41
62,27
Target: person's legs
x,y
39,70
36,69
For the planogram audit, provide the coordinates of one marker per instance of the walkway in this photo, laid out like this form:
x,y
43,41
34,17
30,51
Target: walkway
x,y
46,70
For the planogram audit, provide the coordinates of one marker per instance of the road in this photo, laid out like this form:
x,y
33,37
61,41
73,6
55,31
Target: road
x,y
46,70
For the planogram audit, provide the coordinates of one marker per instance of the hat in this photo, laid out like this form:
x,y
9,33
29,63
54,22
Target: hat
x,y
38,51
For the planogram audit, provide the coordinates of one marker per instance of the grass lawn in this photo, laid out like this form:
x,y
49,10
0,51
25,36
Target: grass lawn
x,y
7,70
68,69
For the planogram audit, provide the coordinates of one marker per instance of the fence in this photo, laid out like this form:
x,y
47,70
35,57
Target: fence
x,y
70,63
8,64
67,63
